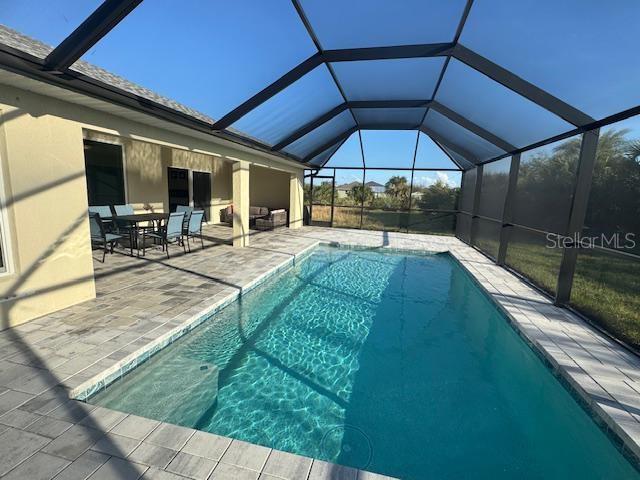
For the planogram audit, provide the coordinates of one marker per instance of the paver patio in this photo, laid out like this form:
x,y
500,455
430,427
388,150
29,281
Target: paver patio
x,y
45,434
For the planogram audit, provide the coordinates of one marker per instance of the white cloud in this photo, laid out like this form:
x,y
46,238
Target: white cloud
x,y
428,180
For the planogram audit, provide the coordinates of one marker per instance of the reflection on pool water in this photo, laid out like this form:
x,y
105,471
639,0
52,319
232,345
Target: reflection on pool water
x,y
388,362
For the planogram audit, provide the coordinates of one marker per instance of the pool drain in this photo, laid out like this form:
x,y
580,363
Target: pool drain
x,y
348,445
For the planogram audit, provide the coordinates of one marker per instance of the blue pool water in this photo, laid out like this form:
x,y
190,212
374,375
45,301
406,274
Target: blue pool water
x,y
393,363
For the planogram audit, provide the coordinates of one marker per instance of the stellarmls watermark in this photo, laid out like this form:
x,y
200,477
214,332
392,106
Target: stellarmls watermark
x,y
616,241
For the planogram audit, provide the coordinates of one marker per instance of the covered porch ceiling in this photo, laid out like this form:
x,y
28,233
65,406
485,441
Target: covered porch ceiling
x,y
299,77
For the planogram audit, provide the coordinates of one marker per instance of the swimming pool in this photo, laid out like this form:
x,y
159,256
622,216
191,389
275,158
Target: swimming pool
x,y
393,363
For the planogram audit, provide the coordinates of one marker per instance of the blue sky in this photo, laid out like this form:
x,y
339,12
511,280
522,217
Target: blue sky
x,y
214,58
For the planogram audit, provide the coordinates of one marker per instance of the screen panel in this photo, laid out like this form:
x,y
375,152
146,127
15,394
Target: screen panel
x,y
606,287
322,158
349,154
463,227
380,23
467,190
495,181
461,161
535,255
544,43
435,190
389,148
487,237
434,197
321,135
497,109
295,106
349,198
613,212
545,185
409,118
320,199
386,199
396,79
430,155
461,137
176,49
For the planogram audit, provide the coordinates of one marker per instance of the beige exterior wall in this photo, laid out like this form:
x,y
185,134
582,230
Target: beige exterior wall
x,y
45,199
45,196
269,188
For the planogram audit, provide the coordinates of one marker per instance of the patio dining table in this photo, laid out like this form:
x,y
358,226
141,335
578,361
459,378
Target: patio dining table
x,y
135,220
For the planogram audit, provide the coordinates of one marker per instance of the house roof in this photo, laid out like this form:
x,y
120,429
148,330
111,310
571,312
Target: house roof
x,y
373,184
348,186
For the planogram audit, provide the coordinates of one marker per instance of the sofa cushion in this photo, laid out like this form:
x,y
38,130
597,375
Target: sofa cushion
x,y
258,211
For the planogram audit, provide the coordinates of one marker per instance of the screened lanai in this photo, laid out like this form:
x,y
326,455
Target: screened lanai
x,y
512,125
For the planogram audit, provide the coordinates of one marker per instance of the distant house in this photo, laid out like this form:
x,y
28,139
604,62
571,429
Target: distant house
x,y
345,187
376,188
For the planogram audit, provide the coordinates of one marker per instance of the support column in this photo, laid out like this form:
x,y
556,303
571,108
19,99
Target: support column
x,y
586,164
507,212
240,204
475,209
296,199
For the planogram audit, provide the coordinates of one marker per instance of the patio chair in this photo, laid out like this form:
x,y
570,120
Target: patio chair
x,y
103,210
188,210
126,209
124,227
194,227
106,216
171,231
100,235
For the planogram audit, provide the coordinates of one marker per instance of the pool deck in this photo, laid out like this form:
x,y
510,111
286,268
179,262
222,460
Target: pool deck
x,y
144,303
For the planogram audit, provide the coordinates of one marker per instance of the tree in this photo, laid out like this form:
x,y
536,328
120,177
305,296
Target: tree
x,y
439,196
398,188
360,194
322,193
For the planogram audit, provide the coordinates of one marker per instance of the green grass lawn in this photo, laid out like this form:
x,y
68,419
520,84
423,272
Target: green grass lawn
x,y
606,288
536,262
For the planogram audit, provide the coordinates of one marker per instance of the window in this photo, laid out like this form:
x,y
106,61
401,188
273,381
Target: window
x,y
105,173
